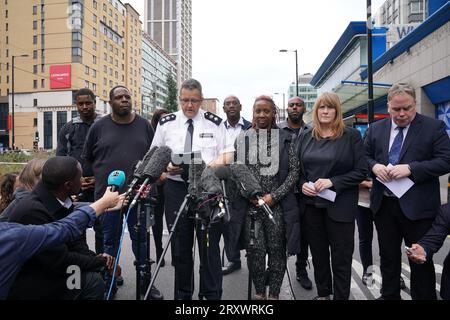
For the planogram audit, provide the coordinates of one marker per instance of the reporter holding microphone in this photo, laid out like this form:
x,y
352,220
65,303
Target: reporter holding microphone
x,y
20,242
331,157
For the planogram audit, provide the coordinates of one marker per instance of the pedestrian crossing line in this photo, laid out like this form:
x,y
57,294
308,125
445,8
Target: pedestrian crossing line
x,y
406,267
438,268
356,291
374,288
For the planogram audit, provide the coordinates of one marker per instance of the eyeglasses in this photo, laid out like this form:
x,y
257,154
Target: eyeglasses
x,y
188,101
297,104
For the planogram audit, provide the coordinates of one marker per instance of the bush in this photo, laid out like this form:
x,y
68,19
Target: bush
x,y
16,160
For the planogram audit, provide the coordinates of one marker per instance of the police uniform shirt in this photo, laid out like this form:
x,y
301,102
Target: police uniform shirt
x,y
233,132
209,135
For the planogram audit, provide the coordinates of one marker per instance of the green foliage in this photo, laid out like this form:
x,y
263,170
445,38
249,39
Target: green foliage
x,y
14,161
171,102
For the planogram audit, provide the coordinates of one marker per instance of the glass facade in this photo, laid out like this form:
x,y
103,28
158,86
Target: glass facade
x,y
48,130
156,66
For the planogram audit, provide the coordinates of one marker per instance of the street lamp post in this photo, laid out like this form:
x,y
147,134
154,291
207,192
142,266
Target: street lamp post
x,y
370,102
296,68
12,99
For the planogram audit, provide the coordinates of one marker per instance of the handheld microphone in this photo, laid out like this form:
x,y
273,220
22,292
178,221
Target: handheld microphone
x,y
251,187
155,166
139,169
116,180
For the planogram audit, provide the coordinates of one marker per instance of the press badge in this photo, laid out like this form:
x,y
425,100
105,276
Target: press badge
x,y
206,135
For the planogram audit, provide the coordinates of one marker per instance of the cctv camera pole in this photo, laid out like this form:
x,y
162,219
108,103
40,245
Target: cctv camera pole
x,y
370,102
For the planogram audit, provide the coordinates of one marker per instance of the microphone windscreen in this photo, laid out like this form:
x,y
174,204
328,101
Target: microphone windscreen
x,y
210,182
245,177
143,163
196,168
157,163
116,179
223,172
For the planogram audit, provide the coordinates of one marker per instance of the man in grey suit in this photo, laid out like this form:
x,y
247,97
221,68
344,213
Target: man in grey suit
x,y
418,148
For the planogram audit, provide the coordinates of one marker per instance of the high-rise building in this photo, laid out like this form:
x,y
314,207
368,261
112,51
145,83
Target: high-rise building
x,y
169,23
399,12
305,91
68,45
157,65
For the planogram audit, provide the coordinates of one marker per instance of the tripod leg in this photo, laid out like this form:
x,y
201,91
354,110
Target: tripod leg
x,y
289,278
171,234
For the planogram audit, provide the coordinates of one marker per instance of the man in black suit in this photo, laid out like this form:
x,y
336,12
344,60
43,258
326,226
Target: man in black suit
x,y
431,243
232,230
417,147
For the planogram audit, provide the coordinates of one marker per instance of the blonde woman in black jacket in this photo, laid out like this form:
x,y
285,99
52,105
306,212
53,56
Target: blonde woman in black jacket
x,y
331,157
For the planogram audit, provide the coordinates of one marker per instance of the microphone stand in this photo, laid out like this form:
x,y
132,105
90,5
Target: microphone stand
x,y
145,217
187,202
253,231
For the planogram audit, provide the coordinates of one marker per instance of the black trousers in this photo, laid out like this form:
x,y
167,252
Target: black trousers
x,y
233,230
393,227
158,227
182,244
324,234
364,219
302,257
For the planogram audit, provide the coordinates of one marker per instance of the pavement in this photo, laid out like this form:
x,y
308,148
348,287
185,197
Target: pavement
x,y
235,284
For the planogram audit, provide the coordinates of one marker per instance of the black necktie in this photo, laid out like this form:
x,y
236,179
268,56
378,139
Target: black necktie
x,y
189,136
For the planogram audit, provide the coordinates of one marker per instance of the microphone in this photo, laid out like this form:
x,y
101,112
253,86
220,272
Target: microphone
x,y
251,187
116,180
154,167
140,166
196,168
223,174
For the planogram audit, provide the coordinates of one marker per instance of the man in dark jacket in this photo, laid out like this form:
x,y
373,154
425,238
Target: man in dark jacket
x,y
295,125
45,276
232,230
431,242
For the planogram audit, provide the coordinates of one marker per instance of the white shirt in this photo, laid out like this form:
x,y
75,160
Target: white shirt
x,y
209,136
394,133
233,132
66,204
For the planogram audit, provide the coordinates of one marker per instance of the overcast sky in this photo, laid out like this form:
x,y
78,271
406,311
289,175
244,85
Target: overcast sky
x,y
236,43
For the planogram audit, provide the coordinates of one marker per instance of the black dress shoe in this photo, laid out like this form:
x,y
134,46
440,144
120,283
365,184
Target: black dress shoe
x,y
367,279
231,267
302,277
119,281
155,294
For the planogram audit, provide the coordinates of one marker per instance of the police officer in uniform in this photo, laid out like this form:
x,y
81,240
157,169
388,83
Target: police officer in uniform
x,y
187,130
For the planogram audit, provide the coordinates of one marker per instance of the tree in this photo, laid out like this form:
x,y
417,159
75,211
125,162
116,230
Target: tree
x,y
171,101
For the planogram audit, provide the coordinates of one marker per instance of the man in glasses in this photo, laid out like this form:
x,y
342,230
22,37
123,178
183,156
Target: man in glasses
x,y
295,125
186,131
232,230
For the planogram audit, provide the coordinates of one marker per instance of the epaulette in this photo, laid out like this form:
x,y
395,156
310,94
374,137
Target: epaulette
x,y
168,118
213,118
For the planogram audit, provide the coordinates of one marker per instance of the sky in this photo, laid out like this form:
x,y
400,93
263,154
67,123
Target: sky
x,y
236,43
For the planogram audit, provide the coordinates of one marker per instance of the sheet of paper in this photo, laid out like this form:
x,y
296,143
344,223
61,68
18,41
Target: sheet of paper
x,y
398,187
327,194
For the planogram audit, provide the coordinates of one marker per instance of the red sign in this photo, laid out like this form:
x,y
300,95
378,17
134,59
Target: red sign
x,y
60,77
